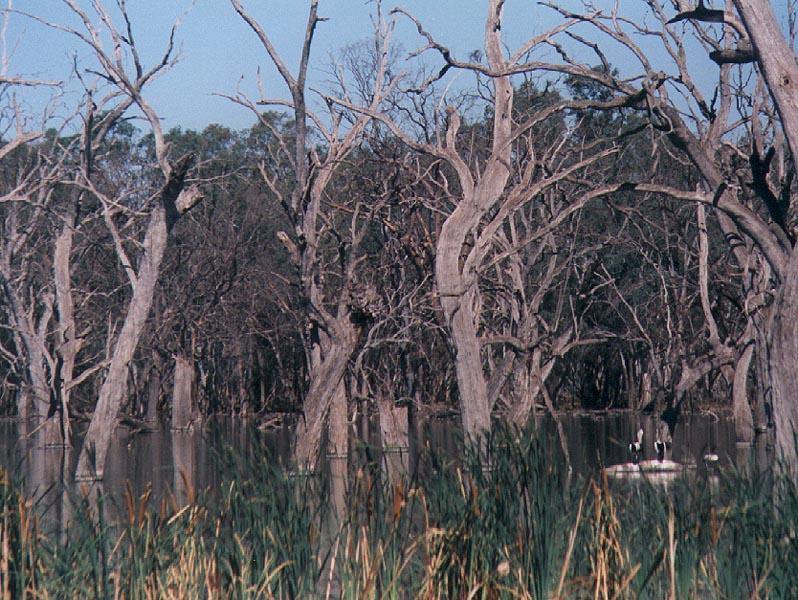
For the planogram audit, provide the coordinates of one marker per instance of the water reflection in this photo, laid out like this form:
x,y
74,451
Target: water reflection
x,y
175,465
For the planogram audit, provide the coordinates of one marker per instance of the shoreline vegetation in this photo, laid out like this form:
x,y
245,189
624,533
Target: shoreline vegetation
x,y
520,528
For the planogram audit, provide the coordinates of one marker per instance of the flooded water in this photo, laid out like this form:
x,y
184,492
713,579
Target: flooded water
x,y
178,463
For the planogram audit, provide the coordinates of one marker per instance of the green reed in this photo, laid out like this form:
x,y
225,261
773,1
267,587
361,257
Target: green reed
x,y
504,520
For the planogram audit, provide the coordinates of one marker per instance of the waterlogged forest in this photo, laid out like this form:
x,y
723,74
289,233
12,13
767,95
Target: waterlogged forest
x,y
600,216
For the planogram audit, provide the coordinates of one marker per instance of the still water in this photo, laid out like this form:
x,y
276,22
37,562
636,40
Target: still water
x,y
176,463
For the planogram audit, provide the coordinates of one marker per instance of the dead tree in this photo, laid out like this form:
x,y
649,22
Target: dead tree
x,y
750,216
777,61
486,191
123,70
334,317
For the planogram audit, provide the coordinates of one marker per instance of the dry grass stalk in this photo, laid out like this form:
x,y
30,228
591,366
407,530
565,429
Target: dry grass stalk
x,y
672,543
611,572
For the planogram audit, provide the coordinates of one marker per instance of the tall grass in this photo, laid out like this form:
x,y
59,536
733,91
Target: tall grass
x,y
513,526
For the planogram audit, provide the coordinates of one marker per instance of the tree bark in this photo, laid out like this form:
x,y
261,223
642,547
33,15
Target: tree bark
x,y
183,393
471,384
66,334
325,388
95,445
154,389
338,422
174,202
184,455
743,416
780,70
394,432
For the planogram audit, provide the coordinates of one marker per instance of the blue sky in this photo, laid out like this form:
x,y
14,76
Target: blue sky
x,y
219,52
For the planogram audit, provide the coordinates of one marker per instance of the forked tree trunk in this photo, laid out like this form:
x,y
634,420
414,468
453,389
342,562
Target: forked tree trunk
x,y
537,375
325,387
30,337
34,338
183,393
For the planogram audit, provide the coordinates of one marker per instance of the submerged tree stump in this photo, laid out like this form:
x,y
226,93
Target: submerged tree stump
x,y
394,431
183,393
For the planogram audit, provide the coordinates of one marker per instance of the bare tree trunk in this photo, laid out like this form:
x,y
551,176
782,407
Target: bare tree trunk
x,y
325,388
783,360
66,333
338,422
91,462
536,379
338,448
560,429
763,395
42,466
743,417
394,426
471,384
645,390
154,389
184,455
183,393
95,445
30,337
780,69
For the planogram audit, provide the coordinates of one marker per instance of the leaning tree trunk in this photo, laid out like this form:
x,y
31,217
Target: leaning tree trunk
x,y
326,386
457,280
95,445
743,415
458,294
174,202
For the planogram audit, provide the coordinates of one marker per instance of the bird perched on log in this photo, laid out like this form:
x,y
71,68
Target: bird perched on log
x,y
636,447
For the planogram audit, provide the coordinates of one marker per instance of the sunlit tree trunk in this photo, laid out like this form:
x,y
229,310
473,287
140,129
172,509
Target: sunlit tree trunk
x,y
112,393
327,391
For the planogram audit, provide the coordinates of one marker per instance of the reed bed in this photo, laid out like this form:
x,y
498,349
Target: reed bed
x,y
505,522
